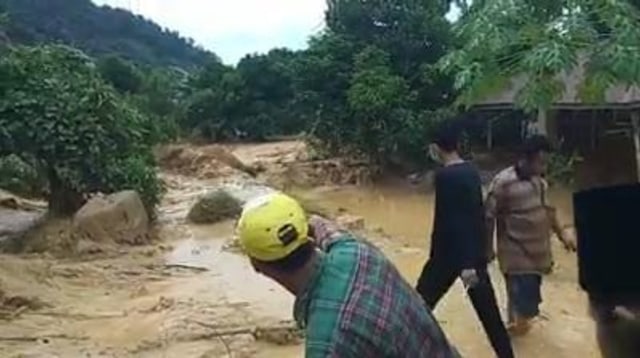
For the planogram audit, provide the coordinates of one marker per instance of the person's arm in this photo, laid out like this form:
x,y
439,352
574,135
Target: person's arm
x,y
567,240
470,234
491,215
324,232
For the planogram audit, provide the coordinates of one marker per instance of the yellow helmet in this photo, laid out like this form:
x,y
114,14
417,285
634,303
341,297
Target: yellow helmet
x,y
271,227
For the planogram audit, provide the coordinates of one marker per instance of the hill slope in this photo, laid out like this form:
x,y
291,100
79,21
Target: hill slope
x,y
99,31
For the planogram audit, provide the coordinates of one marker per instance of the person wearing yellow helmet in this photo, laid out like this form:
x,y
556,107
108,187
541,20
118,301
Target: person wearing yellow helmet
x,y
350,299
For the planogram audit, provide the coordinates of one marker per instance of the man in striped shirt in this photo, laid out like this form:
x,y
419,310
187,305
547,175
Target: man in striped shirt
x,y
517,202
350,299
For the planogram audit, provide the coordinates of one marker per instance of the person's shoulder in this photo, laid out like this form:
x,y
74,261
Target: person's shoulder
x,y
506,175
470,169
503,178
457,170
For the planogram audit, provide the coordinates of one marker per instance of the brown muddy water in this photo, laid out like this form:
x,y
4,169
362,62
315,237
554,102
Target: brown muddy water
x,y
187,296
405,215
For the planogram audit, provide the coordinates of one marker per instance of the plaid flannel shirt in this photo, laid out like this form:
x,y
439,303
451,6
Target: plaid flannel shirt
x,y
358,305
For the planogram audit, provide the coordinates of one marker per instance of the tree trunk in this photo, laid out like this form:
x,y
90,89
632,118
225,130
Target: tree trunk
x,y
63,201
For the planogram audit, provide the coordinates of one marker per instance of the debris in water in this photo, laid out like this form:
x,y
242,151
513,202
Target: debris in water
x,y
186,267
139,292
162,305
286,333
233,245
206,162
11,307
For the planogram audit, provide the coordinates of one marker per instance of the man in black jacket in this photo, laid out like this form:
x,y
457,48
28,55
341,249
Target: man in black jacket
x,y
458,242
606,221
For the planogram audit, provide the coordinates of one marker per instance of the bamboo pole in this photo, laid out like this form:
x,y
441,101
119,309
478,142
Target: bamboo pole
x,y
541,124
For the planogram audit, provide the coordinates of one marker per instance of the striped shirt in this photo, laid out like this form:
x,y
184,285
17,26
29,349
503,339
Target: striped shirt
x,y
358,305
518,208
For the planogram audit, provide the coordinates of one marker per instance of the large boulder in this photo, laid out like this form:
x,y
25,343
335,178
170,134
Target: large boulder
x,y
214,207
15,224
119,218
18,217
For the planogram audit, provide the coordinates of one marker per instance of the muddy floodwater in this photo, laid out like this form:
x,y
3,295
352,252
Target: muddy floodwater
x,y
189,295
405,215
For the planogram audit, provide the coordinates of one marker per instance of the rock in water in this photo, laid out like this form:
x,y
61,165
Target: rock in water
x,y
18,217
120,218
214,207
14,225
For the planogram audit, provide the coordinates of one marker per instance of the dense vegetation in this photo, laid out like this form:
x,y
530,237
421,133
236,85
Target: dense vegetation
x,y
367,85
58,114
99,31
372,84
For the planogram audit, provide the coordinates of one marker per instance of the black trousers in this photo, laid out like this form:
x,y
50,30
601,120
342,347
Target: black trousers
x,y
438,277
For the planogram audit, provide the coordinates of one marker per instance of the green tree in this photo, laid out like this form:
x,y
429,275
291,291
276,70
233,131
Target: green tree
x,y
56,110
215,111
368,84
251,101
269,80
121,74
322,79
414,33
162,97
202,109
376,99
209,75
158,92
540,40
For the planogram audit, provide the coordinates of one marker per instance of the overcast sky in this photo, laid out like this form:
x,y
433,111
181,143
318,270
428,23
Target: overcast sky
x,y
233,28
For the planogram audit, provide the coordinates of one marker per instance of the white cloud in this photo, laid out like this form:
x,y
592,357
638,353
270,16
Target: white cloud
x,y
234,28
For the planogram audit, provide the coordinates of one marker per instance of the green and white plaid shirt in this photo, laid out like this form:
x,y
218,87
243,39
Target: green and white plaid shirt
x,y
358,305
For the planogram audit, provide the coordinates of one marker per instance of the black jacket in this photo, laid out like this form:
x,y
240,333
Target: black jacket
x,y
459,236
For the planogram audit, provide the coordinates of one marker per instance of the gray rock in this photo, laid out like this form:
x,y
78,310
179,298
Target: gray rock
x,y
119,218
15,224
215,207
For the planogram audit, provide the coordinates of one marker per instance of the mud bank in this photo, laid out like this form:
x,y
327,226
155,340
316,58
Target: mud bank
x,y
186,295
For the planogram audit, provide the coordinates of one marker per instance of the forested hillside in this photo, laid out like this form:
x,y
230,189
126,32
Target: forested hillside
x,y
98,31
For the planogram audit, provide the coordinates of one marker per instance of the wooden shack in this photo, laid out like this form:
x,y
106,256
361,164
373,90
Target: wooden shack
x,y
606,134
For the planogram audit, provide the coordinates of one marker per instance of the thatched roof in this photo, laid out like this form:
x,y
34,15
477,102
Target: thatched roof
x,y
619,96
